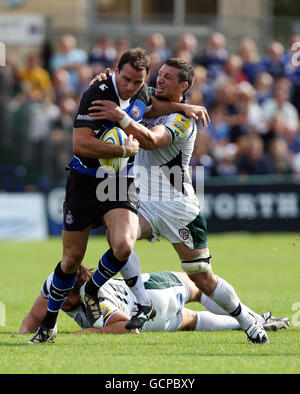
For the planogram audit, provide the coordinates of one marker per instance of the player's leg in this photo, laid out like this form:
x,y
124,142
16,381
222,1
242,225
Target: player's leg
x,y
206,321
268,321
195,293
196,263
210,322
74,247
212,307
122,226
144,230
131,273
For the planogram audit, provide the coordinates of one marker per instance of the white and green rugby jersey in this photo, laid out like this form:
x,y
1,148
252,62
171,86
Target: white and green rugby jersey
x,y
164,172
166,290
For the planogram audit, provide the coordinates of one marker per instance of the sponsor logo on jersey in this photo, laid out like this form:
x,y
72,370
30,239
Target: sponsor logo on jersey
x,y
84,117
184,233
181,124
103,87
106,310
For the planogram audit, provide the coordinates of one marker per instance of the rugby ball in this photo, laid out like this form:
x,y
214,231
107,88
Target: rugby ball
x,y
116,136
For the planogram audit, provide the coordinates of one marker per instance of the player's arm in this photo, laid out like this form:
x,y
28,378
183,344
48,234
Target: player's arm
x,y
115,325
34,318
163,107
86,144
159,107
149,139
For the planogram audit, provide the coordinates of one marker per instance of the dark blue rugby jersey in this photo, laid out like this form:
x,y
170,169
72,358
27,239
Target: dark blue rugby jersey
x,y
105,91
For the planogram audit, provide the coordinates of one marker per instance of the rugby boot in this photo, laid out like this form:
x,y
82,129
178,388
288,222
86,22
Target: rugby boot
x,y
44,335
256,333
274,323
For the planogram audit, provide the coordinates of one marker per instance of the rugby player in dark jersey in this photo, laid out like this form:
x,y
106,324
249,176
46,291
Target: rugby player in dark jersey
x,y
82,209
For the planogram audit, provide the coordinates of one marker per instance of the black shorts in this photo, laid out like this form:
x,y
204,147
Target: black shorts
x,y
88,199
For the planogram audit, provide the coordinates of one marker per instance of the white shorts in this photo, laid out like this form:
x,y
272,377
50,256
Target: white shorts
x,y
174,220
168,303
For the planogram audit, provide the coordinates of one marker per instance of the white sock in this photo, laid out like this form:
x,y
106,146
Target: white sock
x,y
226,298
212,307
131,273
207,321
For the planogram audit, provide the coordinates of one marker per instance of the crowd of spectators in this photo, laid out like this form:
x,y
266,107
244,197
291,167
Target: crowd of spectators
x,y
253,100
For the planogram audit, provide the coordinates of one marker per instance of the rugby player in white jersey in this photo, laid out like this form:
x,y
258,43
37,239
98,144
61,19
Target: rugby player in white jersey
x,y
168,142
168,291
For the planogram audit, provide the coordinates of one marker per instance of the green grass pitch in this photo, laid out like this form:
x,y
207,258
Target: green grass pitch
x,y
263,268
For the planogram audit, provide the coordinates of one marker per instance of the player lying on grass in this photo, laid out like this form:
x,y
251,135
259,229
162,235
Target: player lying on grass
x,y
168,291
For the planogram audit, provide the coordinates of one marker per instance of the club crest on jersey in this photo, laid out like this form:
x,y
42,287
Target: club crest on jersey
x,y
69,218
184,233
181,124
136,112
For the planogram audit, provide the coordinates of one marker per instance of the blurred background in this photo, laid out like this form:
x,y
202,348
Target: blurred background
x,y
246,56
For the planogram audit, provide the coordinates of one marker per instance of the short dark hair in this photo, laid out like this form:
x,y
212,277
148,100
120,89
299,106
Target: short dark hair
x,y
83,274
137,58
186,72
